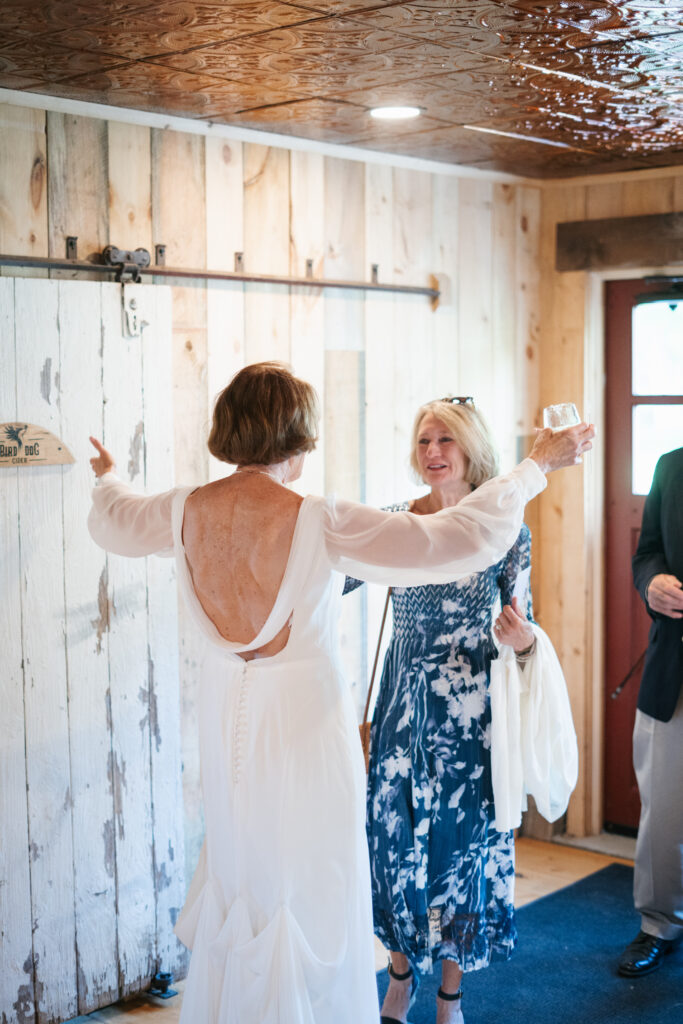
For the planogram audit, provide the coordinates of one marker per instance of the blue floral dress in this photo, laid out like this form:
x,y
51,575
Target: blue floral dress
x,y
442,875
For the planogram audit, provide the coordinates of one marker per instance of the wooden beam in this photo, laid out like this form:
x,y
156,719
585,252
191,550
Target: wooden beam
x,y
652,240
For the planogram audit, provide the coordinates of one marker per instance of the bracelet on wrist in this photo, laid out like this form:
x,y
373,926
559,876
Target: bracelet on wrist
x,y
527,653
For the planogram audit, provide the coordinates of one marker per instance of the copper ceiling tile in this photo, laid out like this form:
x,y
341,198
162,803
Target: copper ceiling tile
x,y
586,15
669,43
328,39
642,18
623,65
320,119
150,87
371,70
627,138
50,64
174,25
242,61
31,18
344,6
479,25
468,148
13,80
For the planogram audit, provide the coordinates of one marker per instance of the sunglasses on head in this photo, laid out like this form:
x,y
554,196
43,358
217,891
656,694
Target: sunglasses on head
x,y
458,399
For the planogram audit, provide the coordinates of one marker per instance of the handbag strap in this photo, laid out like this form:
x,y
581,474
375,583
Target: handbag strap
x,y
374,665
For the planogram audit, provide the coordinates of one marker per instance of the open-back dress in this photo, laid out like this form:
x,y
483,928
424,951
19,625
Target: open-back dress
x,y
278,914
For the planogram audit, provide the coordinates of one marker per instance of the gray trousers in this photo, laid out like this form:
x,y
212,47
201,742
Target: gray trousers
x,y
658,878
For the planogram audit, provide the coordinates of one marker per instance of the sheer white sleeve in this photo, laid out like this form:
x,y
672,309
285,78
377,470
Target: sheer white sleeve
x,y
127,523
404,550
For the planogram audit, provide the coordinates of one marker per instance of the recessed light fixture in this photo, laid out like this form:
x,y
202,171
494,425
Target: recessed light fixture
x,y
394,113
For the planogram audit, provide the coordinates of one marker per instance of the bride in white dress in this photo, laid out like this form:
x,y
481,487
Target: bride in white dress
x,y
278,914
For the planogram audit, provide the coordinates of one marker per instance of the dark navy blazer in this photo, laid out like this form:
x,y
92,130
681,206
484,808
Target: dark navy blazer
x,y
660,549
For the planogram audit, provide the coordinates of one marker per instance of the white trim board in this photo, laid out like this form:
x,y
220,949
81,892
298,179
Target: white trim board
x,y
128,115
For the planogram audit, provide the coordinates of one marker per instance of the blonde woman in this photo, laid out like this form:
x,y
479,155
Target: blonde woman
x,y
442,876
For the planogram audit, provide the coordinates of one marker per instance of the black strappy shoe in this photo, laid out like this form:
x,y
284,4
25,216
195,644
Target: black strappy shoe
x,y
450,997
413,992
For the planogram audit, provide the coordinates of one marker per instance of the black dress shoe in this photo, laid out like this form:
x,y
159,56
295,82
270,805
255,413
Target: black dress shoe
x,y
643,955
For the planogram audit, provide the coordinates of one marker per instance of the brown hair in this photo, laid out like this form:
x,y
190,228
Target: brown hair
x,y
264,415
470,431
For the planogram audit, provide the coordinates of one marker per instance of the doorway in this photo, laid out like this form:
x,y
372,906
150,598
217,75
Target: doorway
x,y
643,419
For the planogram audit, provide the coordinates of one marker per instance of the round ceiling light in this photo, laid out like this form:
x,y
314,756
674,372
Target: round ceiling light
x,y
394,113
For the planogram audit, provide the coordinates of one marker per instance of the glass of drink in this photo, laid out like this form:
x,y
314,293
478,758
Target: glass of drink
x,y
557,417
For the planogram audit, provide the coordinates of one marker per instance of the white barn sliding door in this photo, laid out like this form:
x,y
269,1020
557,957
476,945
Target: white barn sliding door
x,y
91,848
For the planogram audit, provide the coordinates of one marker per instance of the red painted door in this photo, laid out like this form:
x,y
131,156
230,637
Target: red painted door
x,y
644,364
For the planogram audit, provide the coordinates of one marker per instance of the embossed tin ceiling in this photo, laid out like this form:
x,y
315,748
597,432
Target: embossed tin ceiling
x,y
534,87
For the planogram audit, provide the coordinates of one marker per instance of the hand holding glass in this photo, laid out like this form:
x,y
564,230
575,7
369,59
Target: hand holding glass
x,y
557,417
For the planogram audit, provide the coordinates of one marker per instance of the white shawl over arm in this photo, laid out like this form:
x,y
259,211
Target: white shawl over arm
x,y
403,550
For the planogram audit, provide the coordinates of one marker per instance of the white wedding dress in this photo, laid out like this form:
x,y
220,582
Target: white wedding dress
x,y
278,915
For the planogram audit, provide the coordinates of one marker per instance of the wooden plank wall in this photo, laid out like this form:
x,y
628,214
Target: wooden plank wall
x,y
374,358
90,809
567,587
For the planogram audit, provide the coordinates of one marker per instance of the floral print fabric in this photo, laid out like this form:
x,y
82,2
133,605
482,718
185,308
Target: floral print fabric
x,y
442,876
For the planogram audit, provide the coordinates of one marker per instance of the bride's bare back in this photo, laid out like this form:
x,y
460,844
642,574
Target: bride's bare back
x,y
237,535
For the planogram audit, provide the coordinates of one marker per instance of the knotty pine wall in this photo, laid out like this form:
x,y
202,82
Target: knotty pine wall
x,y
373,357
568,589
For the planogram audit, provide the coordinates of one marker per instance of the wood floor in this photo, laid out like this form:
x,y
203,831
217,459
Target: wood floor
x,y
542,868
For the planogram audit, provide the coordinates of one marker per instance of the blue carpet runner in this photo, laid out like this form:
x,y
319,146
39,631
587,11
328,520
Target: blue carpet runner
x,y
563,970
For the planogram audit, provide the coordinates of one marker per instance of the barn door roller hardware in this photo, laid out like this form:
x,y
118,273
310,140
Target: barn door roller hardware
x,y
127,264
130,265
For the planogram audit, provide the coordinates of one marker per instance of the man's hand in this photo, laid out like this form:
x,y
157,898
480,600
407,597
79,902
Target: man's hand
x,y
665,595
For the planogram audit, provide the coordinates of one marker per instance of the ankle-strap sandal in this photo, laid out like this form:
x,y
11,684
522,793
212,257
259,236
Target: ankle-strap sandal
x,y
449,996
413,991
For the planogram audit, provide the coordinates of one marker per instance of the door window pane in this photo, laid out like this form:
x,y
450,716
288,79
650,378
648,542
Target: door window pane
x,y
656,429
658,348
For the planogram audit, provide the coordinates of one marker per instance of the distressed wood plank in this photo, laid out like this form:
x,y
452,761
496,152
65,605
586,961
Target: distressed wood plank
x,y
128,652
179,218
225,299
381,487
640,241
129,153
380,321
414,370
266,250
500,414
77,203
343,419
678,192
344,258
87,620
655,196
16,943
561,581
43,635
307,305
527,362
475,286
445,252
344,253
23,186
163,683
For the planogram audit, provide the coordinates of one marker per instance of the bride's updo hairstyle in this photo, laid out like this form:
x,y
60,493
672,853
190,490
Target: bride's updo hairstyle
x,y
264,415
470,431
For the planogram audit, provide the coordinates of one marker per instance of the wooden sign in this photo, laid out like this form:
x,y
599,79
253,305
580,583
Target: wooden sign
x,y
25,444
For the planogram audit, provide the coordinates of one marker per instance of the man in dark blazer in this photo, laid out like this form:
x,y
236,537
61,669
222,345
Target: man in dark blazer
x,y
658,733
